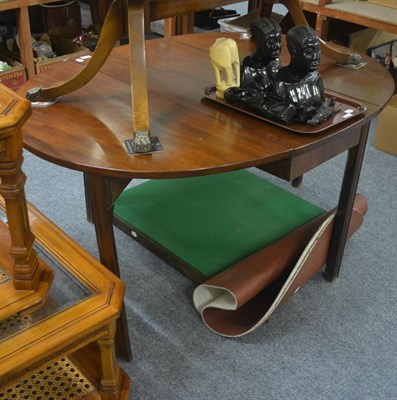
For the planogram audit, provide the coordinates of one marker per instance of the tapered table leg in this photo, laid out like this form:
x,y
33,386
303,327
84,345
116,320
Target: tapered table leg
x,y
345,206
101,210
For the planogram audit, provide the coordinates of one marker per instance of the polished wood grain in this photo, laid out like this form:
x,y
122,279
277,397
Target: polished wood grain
x,y
138,73
86,131
198,137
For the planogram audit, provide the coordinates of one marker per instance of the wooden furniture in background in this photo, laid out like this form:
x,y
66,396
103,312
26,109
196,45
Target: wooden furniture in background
x,y
23,27
56,329
366,14
363,13
199,137
159,9
112,30
182,24
140,124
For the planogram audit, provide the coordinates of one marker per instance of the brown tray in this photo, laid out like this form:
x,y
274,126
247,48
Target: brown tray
x,y
348,110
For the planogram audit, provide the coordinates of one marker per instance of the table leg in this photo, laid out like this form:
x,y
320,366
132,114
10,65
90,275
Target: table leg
x,y
111,377
345,205
102,217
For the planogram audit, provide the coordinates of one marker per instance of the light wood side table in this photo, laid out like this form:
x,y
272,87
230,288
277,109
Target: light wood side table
x,y
76,318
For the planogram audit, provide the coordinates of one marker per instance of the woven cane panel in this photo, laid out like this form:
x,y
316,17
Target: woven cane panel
x,y
60,380
3,276
14,324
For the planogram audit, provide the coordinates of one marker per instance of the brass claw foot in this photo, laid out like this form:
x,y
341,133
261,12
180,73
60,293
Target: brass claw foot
x,y
353,58
142,142
38,99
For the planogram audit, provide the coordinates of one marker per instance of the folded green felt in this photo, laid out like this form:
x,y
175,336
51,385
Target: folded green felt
x,y
211,222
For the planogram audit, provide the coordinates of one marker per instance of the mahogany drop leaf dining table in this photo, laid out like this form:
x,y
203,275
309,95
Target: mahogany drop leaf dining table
x,y
86,131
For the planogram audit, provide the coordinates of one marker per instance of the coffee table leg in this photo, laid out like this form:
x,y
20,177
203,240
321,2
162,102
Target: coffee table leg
x,y
345,206
102,217
111,377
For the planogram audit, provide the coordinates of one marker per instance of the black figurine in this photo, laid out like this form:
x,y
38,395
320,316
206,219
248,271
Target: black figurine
x,y
258,70
294,93
299,84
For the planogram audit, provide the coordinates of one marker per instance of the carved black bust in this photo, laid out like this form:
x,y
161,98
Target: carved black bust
x,y
300,82
259,70
293,93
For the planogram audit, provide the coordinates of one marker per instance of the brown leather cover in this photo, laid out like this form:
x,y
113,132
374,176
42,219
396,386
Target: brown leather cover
x,y
242,297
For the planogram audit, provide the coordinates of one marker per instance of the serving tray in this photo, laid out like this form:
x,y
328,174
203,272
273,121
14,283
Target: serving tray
x,y
348,109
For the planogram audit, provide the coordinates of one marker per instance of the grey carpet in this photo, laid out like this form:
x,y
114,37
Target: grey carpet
x,y
330,341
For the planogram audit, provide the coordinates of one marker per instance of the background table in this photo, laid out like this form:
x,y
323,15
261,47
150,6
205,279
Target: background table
x,y
86,130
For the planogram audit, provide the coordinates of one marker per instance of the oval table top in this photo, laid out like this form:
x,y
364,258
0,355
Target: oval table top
x,y
85,130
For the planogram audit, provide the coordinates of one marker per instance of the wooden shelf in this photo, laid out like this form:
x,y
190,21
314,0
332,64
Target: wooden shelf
x,y
357,12
24,31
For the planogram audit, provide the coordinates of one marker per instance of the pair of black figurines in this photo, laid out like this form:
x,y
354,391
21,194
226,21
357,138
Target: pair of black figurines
x,y
292,93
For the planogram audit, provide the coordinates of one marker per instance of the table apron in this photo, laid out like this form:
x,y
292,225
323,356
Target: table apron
x,y
301,162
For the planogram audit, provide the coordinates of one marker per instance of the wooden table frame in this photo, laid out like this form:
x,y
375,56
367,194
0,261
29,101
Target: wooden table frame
x,y
289,159
243,140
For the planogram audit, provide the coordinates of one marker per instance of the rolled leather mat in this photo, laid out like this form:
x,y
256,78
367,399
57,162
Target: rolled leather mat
x,y
240,298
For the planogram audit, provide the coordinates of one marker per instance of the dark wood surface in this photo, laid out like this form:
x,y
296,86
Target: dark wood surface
x,y
86,130
198,137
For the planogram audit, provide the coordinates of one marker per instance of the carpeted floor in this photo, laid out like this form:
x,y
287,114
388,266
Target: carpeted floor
x,y
330,341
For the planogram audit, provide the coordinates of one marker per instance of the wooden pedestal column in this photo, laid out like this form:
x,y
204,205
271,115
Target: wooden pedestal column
x,y
28,270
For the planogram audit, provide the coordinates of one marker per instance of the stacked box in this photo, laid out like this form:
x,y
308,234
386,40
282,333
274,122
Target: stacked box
x,y
385,135
14,77
65,49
